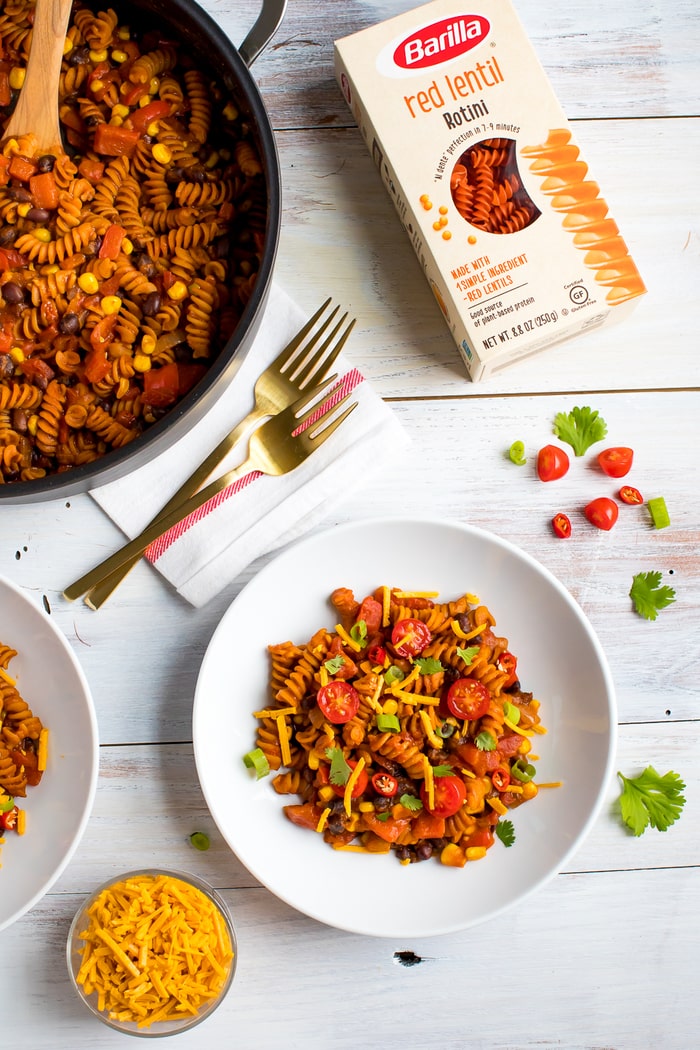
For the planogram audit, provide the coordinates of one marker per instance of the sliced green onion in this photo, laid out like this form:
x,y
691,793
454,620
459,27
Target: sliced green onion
x,y
388,724
6,804
517,453
523,771
257,763
511,712
659,512
393,674
199,840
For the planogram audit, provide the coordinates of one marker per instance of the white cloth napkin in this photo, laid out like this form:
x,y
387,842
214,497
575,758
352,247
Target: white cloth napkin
x,y
256,514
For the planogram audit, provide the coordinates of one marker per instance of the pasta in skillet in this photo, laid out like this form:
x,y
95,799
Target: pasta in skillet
x,y
404,729
23,747
125,264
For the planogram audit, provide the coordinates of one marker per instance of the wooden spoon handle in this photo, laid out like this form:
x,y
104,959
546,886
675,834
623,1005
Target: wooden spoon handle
x,y
36,111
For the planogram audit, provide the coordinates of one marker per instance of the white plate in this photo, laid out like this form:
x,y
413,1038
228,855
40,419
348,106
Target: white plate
x,y
50,679
559,659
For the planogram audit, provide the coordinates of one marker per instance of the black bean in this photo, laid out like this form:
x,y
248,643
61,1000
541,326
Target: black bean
x,y
8,235
19,420
464,623
46,162
13,293
38,215
7,366
424,850
69,324
151,304
79,56
18,193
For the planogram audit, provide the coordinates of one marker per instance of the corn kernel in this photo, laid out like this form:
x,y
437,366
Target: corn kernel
x,y
153,85
33,424
53,268
119,56
23,209
161,153
145,100
326,793
390,707
148,344
153,128
17,354
525,747
142,362
127,246
313,760
96,85
87,282
212,160
16,78
111,304
116,122
366,807
230,111
177,291
67,46
120,110
453,856
529,790
42,234
123,33
475,852
99,56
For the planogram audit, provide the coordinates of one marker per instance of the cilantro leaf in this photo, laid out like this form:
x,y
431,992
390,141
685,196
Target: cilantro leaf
x,y
468,654
651,800
428,665
334,664
648,596
411,802
340,770
580,428
443,771
505,832
485,741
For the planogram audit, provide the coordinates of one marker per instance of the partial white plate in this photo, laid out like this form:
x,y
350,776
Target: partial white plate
x,y
559,659
52,682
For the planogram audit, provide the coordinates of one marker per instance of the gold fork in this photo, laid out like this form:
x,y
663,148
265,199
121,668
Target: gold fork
x,y
276,448
289,375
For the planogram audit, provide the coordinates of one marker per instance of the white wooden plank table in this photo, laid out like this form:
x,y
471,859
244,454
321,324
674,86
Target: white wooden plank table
x,y
605,955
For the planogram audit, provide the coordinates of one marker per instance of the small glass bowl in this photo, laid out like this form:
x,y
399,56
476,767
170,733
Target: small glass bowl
x,y
74,955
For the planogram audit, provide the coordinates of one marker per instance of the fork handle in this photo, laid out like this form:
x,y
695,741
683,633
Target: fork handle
x,y
136,547
102,590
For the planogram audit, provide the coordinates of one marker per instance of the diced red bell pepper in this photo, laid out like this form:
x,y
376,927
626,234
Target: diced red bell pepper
x,y
112,242
305,815
97,365
21,168
161,386
101,334
92,170
112,141
389,830
141,118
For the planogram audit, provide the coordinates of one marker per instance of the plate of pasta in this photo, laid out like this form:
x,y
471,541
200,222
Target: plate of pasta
x,y
404,727
48,753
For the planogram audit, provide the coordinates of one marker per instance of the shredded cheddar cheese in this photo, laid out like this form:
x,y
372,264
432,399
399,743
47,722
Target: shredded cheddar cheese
x,y
323,819
517,728
386,603
352,780
432,736
416,594
155,948
466,635
429,782
403,682
284,740
270,712
347,639
42,753
8,678
497,805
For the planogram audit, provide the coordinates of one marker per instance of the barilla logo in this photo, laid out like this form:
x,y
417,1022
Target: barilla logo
x,y
441,41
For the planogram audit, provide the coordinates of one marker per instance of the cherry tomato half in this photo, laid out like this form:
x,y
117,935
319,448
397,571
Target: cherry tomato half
x,y
410,637
616,462
602,512
449,795
629,494
467,698
507,662
562,526
324,776
338,701
384,784
552,463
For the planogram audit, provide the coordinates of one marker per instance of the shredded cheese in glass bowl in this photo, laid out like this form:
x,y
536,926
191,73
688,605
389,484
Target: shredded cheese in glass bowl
x,y
152,952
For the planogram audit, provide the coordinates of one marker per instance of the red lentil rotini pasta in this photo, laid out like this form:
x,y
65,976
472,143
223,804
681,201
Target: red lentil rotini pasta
x,y
23,748
126,263
487,189
403,729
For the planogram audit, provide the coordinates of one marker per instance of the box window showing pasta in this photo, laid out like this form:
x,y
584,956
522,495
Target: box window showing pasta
x,y
510,227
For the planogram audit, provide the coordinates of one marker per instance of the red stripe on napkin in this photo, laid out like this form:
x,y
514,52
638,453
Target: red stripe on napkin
x,y
345,385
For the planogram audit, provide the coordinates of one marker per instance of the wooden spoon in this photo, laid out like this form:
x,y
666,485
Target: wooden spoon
x,y
36,111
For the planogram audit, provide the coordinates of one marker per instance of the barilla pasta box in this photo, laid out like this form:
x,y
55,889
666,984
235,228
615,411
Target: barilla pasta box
x,y
509,225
